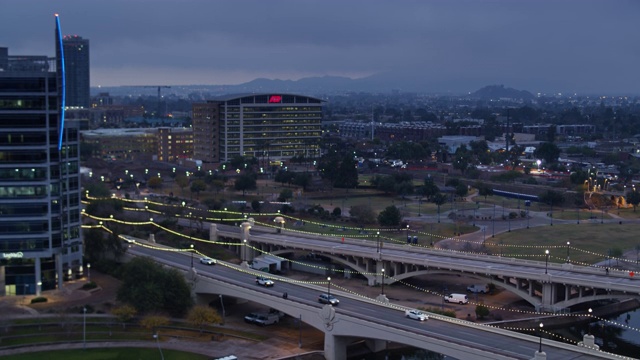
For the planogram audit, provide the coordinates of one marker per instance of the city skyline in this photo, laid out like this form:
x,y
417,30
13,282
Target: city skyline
x,y
450,46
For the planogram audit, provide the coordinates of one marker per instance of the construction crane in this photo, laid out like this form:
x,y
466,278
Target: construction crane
x,y
159,95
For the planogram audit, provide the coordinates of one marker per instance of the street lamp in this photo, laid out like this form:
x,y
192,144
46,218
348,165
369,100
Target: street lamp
x,y
244,250
589,326
329,286
191,246
568,243
84,328
546,262
89,272
408,233
378,240
540,331
155,336
382,282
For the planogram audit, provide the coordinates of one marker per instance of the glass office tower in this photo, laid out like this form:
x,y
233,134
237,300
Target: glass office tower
x,y
40,237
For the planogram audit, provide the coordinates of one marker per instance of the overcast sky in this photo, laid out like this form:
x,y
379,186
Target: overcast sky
x,y
537,45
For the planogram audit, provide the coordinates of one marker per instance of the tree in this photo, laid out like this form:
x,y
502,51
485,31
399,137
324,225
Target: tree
x,y
483,189
197,186
461,159
430,188
462,190
284,176
154,183
303,180
482,311
182,181
97,189
217,185
124,313
201,315
246,181
552,198
149,287
362,214
153,322
99,247
390,216
255,205
384,183
547,151
285,195
633,198
404,188
347,174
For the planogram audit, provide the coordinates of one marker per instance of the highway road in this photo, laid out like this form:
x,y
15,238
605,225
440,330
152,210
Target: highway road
x,y
450,330
587,277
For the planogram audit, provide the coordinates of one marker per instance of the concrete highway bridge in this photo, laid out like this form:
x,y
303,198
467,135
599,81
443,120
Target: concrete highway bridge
x,y
359,318
549,287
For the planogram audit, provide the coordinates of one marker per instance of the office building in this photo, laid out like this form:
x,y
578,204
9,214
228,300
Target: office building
x,y
274,126
76,54
40,225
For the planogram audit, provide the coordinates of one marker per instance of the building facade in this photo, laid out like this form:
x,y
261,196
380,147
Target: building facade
x,y
76,52
273,126
40,225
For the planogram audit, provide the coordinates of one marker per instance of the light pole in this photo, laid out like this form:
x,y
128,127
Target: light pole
x,y
408,234
589,325
540,331
89,272
191,246
568,243
546,261
222,306
378,241
493,222
329,286
84,328
244,250
382,282
155,336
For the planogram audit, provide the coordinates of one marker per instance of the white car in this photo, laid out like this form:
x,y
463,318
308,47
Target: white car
x,y
416,314
207,261
129,239
261,280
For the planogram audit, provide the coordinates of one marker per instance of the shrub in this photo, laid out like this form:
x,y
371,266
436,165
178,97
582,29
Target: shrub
x,y
39,299
90,285
448,313
482,311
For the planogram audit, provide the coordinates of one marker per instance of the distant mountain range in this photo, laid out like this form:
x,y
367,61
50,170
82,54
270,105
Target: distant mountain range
x,y
327,85
494,92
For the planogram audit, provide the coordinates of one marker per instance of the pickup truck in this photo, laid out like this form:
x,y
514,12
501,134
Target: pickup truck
x,y
416,314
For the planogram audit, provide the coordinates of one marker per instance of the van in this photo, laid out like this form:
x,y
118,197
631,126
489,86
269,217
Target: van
x,y
478,288
456,298
266,319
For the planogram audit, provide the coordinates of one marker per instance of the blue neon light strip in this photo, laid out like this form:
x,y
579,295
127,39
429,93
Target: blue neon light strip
x,y
64,81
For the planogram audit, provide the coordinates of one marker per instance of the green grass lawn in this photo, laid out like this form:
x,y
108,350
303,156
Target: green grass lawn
x,y
108,354
589,242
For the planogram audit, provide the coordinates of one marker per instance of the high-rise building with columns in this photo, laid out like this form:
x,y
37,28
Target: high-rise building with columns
x,y
40,225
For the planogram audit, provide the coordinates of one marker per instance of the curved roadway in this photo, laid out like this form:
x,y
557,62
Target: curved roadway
x,y
503,344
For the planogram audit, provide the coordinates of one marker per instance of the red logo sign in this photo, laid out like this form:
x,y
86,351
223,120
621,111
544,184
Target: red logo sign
x,y
275,99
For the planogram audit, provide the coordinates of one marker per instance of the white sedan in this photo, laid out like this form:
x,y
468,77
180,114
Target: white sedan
x,y
416,314
261,280
207,261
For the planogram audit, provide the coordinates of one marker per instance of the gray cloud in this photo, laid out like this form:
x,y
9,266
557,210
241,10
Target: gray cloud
x,y
552,45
